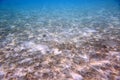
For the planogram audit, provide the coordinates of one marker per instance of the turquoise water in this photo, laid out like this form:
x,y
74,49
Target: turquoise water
x,y
58,16
58,39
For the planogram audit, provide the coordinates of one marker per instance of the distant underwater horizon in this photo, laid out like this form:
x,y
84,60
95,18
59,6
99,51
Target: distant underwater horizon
x,y
59,39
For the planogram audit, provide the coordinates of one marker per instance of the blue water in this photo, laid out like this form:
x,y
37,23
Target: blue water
x,y
59,39
61,17
58,16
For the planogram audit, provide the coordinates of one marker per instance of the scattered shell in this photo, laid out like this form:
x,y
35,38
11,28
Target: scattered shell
x,y
56,51
76,76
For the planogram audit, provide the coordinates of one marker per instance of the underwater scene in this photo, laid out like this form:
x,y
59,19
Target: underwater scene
x,y
59,39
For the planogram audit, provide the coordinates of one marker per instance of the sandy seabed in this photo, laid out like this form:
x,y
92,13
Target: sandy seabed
x,y
32,48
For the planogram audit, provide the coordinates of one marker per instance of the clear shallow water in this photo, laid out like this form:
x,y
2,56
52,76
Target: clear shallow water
x,y
59,17
31,31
